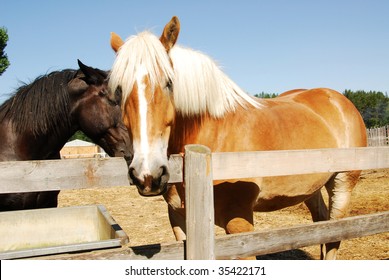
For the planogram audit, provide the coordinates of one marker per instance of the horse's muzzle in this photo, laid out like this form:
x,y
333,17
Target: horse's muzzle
x,y
149,185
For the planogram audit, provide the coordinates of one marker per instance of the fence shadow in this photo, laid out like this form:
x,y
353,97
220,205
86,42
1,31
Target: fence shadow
x,y
296,254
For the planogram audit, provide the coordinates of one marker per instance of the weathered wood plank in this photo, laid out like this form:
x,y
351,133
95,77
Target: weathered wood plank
x,y
199,203
272,241
256,243
278,163
40,175
19,176
171,251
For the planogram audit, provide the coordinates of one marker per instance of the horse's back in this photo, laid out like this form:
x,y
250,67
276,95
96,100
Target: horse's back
x,y
335,110
298,119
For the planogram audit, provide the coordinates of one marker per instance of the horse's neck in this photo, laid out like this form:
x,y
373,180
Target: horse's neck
x,y
218,134
43,146
51,143
182,132
190,130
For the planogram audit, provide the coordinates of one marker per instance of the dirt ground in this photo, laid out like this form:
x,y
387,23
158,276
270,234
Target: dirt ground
x,y
145,220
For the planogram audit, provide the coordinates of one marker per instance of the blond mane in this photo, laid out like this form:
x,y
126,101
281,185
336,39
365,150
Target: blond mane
x,y
143,49
199,84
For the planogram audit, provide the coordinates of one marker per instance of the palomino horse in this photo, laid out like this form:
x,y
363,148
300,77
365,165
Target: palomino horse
x,y
36,122
173,96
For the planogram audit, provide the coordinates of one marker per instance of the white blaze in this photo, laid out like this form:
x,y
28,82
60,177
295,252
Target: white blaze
x,y
149,157
144,141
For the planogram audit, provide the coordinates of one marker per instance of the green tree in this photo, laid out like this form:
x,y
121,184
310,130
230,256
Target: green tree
x,y
266,95
80,136
4,62
373,106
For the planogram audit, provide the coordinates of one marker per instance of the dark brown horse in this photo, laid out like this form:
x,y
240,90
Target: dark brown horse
x,y
37,121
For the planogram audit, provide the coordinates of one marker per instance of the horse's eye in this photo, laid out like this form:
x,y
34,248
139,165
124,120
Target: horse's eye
x,y
169,85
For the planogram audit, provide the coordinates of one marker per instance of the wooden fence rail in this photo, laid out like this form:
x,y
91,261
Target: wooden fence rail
x,y
24,176
255,243
87,173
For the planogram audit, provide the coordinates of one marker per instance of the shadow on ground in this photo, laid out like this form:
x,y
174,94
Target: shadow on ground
x,y
287,255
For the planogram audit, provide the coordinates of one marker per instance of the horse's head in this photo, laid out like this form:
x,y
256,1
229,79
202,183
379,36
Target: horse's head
x,y
143,71
98,113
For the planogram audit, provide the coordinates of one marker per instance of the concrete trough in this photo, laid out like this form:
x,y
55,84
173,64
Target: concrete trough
x,y
31,233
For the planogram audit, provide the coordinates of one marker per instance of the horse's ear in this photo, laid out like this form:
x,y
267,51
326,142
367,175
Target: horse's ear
x,y
92,76
170,33
116,42
77,86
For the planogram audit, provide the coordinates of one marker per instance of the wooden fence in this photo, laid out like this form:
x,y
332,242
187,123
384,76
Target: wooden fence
x,y
378,136
201,167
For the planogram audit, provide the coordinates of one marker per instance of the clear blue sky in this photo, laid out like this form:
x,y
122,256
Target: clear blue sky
x,y
269,46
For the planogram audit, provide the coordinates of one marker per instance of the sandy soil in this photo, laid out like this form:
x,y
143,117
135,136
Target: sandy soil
x,y
145,220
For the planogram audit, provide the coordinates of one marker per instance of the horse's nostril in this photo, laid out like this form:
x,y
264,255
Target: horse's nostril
x,y
132,175
163,170
164,178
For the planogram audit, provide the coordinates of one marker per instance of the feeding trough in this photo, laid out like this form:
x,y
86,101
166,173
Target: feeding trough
x,y
29,233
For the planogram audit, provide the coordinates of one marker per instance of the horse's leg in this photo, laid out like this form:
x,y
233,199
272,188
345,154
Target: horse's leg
x,y
319,212
234,207
317,207
339,190
239,220
47,199
177,222
233,204
175,199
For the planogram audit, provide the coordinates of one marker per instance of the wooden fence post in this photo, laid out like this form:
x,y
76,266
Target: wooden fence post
x,y
200,237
